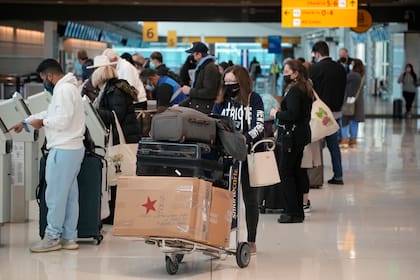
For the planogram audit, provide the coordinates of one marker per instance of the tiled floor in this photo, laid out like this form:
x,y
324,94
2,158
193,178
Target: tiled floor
x,y
367,229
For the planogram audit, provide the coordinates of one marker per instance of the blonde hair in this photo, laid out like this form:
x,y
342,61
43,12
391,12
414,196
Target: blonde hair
x,y
102,74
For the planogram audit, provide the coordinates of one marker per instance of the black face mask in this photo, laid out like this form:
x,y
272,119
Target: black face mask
x,y
287,79
232,90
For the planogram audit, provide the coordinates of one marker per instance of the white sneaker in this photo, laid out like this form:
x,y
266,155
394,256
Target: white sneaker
x,y
69,244
307,207
46,245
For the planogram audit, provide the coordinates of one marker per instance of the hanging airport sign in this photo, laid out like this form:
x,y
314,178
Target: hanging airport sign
x,y
150,31
171,38
364,21
319,13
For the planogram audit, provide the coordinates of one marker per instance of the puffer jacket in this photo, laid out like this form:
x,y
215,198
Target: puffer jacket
x,y
116,97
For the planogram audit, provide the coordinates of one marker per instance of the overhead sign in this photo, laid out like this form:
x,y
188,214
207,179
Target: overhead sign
x,y
274,44
319,13
171,38
364,21
150,31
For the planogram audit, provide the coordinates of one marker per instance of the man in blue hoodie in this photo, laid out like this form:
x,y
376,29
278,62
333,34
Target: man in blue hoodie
x,y
203,91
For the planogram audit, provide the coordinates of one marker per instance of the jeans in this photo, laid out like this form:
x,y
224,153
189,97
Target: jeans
x,y
351,128
332,144
62,194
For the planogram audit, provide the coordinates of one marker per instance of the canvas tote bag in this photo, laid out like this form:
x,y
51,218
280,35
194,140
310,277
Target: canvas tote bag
x,y
322,121
262,166
121,158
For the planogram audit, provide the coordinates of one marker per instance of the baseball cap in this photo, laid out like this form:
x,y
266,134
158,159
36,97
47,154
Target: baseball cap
x,y
198,47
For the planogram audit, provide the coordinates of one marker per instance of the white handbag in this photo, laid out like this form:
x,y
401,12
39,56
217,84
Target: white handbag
x,y
121,158
322,121
262,166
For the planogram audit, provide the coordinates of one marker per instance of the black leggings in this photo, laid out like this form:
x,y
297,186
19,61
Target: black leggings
x,y
250,196
409,98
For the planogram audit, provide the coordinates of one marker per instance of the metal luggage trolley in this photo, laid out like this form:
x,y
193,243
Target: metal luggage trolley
x,y
175,248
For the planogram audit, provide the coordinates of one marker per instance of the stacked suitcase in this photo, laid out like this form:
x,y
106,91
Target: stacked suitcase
x,y
158,158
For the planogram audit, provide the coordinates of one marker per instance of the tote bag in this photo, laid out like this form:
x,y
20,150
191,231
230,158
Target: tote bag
x,y
262,166
121,158
322,121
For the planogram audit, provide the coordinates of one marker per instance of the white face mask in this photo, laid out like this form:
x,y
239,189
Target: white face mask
x,y
150,87
351,67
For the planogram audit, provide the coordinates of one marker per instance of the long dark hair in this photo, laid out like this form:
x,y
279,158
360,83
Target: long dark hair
x,y
358,67
245,84
413,74
302,80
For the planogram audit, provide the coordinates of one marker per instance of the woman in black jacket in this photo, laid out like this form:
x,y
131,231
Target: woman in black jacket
x,y
293,134
118,96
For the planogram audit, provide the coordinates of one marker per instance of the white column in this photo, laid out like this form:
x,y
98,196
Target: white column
x,y
50,40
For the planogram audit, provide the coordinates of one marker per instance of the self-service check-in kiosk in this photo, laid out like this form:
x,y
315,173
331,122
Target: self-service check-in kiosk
x,y
6,146
24,157
97,128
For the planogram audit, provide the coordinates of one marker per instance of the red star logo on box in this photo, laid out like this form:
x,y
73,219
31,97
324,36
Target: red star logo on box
x,y
149,205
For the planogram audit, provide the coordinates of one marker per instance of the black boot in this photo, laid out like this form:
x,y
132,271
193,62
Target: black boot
x,y
110,219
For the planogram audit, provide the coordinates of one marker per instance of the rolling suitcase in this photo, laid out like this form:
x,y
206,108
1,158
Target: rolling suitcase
x,y
271,199
90,180
397,109
182,124
316,176
178,159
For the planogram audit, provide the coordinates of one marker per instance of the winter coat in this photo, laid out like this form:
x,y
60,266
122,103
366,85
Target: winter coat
x,y
205,86
353,84
116,97
329,80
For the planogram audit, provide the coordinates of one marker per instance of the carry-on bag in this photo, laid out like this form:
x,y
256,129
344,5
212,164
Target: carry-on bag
x,y
178,159
397,107
89,180
182,124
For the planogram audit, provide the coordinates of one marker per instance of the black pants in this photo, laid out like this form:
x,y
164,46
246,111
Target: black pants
x,y
293,180
409,98
250,196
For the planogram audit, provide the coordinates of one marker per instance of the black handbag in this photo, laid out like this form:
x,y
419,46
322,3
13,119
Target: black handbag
x,y
285,137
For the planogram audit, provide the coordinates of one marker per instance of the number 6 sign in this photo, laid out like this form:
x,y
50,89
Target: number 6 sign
x,y
150,32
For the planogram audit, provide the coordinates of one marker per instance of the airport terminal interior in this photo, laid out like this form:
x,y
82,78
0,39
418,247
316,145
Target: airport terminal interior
x,y
367,228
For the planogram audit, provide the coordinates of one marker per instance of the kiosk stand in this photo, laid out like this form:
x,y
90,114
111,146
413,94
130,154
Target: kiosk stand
x,y
6,146
25,160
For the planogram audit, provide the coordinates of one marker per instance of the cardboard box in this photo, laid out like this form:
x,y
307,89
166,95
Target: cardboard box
x,y
220,219
176,207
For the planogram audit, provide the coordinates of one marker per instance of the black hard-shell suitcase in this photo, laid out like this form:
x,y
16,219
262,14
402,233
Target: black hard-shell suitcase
x,y
178,159
182,124
397,107
271,199
90,187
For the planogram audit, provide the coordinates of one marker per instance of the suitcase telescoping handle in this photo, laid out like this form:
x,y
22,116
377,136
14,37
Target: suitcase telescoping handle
x,y
198,121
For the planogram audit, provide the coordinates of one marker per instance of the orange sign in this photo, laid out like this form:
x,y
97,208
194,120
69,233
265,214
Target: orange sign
x,y
364,21
319,13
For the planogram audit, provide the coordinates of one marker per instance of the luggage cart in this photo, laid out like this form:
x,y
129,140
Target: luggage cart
x,y
175,248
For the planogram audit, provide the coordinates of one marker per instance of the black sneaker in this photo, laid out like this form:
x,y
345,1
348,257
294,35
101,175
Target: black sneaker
x,y
307,207
335,181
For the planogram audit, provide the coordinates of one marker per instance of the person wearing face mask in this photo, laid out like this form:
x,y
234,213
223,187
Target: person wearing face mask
x,y
64,125
166,90
293,117
245,107
329,79
203,91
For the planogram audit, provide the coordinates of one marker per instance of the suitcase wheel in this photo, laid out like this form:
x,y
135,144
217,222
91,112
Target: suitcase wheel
x,y
99,239
263,210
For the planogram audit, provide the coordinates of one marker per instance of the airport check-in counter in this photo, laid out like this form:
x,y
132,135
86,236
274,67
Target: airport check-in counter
x,y
25,159
6,145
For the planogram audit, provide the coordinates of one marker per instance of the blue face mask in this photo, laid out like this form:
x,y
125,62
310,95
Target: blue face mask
x,y
78,68
150,87
48,86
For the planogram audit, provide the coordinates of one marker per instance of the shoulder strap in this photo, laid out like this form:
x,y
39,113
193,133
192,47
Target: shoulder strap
x,y
360,87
